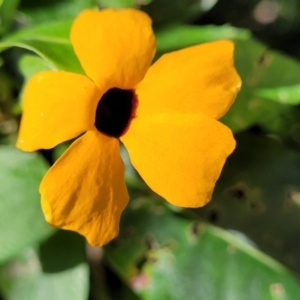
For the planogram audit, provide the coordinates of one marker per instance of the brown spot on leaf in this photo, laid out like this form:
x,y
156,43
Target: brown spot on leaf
x,y
277,289
125,234
265,59
292,198
263,62
214,215
139,282
197,228
231,249
238,192
257,207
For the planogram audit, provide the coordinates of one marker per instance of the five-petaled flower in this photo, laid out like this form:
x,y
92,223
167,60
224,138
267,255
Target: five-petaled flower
x,y
165,114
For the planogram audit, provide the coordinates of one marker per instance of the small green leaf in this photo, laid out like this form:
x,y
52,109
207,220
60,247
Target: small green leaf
x,y
7,12
179,36
164,12
21,220
167,257
116,3
283,94
53,10
30,65
59,272
261,70
49,41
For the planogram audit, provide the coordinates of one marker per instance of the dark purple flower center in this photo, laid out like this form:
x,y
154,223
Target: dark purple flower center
x,y
115,110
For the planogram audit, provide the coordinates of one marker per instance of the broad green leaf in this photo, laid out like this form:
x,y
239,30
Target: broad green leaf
x,y
58,10
179,36
283,94
116,3
21,220
122,3
49,41
7,12
261,69
59,271
30,65
167,257
164,12
258,194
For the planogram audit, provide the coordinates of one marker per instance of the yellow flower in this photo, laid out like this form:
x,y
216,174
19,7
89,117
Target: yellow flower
x,y
166,116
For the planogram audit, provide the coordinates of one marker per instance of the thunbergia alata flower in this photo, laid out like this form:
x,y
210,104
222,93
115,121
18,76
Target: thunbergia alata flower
x,y
165,114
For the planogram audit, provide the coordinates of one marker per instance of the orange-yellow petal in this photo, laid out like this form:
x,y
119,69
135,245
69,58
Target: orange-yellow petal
x,y
115,47
85,189
198,79
57,106
180,156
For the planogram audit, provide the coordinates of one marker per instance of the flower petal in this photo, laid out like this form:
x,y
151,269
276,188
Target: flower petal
x,y
85,190
179,156
198,79
115,47
57,106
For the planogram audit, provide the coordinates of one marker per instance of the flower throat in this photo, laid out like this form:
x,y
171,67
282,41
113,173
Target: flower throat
x,y
115,110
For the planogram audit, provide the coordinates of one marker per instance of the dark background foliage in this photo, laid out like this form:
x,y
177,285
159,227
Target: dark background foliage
x,y
243,245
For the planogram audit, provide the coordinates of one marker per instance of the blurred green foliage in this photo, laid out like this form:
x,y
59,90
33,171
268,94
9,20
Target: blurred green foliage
x,y
243,245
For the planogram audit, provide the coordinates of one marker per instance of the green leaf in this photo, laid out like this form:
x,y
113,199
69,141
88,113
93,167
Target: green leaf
x,y
49,41
167,257
7,12
30,65
283,94
38,12
116,3
261,70
179,36
258,194
21,220
59,272
164,12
